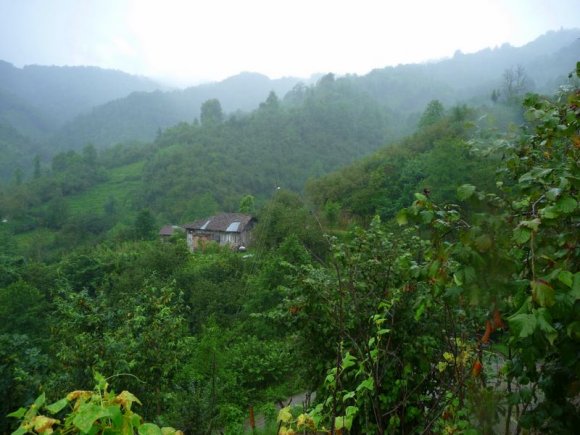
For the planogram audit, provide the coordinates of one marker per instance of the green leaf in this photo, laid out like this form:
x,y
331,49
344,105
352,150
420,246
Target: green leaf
x,y
420,310
115,415
87,414
465,191
39,401
523,324
343,422
19,413
101,381
57,406
420,197
543,293
367,384
567,204
348,395
521,235
426,216
402,217
351,411
149,429
566,277
543,319
348,361
20,431
550,212
525,177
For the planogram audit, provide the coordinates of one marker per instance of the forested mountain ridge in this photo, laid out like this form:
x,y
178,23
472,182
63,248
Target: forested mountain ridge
x,y
36,100
404,90
471,78
141,115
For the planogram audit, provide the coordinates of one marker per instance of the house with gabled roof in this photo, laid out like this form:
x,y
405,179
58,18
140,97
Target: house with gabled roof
x,y
226,229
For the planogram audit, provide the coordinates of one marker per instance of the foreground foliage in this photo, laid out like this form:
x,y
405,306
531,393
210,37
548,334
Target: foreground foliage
x,y
99,412
468,320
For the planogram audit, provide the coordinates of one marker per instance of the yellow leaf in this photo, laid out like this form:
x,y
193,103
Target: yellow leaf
x,y
285,415
78,394
126,399
43,424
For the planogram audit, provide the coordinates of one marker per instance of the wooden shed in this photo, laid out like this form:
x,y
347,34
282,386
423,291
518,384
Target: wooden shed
x,y
232,229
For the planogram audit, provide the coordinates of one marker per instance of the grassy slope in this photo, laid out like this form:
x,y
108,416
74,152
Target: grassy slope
x,y
121,185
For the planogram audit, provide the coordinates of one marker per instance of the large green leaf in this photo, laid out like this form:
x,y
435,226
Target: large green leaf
x,y
87,414
566,277
402,217
348,361
57,406
543,293
550,212
523,324
465,191
19,413
522,235
149,429
567,204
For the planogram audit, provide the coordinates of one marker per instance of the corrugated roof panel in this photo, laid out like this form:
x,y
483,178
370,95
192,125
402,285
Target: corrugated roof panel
x,y
233,227
204,226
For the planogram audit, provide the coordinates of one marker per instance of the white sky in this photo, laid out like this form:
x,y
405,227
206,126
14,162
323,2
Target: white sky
x,y
190,41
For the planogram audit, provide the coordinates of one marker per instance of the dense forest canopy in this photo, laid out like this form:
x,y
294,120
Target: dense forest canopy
x,y
413,269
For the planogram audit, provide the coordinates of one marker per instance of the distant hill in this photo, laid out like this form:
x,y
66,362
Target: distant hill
x,y
60,108
62,92
471,78
140,115
405,90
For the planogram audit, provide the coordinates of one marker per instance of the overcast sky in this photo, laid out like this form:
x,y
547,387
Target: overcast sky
x,y
191,41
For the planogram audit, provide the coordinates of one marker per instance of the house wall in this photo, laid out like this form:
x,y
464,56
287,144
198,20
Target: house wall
x,y
232,239
196,239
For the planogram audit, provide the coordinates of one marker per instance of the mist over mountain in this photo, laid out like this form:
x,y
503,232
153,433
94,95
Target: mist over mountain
x,y
404,89
141,115
59,108
60,93
547,61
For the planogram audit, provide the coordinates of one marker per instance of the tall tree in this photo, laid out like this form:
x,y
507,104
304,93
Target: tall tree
x,y
433,113
144,226
211,112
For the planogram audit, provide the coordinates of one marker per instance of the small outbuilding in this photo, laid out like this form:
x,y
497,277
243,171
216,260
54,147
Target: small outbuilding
x,y
167,231
226,229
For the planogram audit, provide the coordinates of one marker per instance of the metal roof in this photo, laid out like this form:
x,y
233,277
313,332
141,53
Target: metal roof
x,y
233,227
226,222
